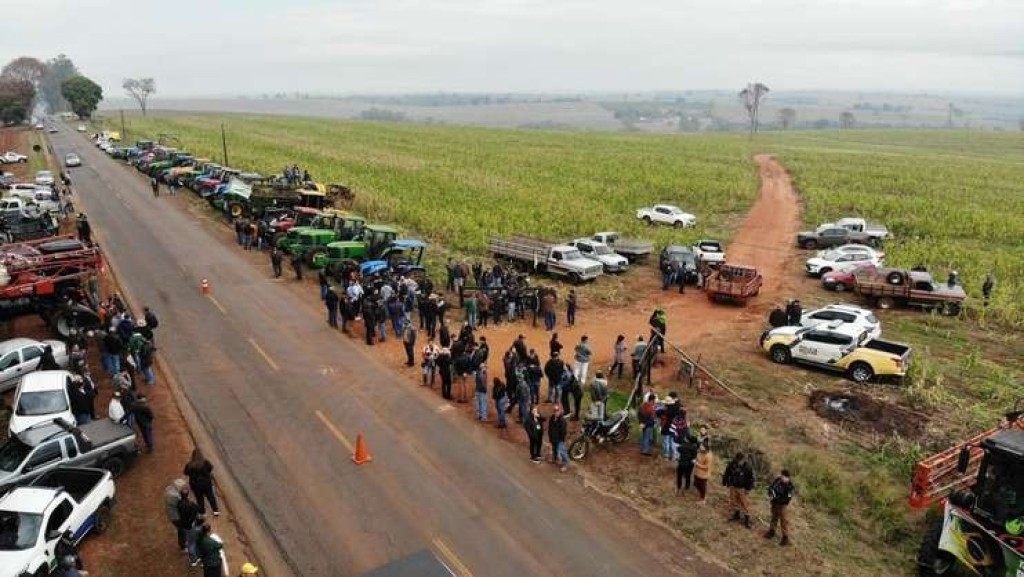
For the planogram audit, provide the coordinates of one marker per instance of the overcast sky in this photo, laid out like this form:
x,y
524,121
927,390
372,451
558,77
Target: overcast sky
x,y
219,47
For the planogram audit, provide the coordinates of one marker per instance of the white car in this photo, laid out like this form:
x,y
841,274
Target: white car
x,y
81,128
841,261
848,314
72,159
666,214
846,248
44,178
41,397
19,357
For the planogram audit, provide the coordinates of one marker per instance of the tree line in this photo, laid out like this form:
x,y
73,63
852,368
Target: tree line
x,y
55,85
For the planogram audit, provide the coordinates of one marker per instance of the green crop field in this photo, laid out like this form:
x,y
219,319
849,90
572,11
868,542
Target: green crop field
x,y
953,199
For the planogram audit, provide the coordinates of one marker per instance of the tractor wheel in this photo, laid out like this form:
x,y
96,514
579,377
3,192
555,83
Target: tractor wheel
x,y
236,209
932,561
311,256
861,373
780,354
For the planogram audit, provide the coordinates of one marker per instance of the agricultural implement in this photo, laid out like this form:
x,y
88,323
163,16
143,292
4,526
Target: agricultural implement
x,y
253,197
48,277
979,483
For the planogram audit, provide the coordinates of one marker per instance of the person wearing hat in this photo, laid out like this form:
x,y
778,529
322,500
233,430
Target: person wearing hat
x,y
780,493
248,569
670,409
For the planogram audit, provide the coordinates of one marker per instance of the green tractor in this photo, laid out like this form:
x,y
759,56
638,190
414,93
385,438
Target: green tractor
x,y
374,240
980,485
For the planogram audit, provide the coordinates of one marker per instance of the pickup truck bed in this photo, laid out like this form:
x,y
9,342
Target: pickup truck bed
x,y
887,347
102,432
76,481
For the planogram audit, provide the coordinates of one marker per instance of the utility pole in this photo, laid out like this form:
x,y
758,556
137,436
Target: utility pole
x,y
224,143
124,133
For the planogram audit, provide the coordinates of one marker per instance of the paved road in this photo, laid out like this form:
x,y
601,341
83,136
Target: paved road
x,y
282,397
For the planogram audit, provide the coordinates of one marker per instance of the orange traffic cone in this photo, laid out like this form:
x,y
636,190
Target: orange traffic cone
x,y
362,453
204,287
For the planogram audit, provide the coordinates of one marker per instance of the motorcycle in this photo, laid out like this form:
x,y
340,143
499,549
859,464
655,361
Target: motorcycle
x,y
614,429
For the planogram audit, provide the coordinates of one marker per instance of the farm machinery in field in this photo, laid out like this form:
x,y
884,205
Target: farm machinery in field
x,y
49,277
979,483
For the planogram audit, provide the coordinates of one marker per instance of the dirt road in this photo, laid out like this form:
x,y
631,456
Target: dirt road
x,y
283,398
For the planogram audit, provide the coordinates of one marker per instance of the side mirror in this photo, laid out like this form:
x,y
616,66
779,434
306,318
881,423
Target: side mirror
x,y
963,460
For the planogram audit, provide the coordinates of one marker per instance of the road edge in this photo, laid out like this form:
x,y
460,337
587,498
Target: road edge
x,y
255,539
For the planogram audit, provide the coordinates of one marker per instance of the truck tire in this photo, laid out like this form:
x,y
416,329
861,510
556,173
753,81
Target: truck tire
x,y
103,519
574,278
780,354
824,271
810,244
678,224
951,309
894,278
113,464
648,221
861,373
932,561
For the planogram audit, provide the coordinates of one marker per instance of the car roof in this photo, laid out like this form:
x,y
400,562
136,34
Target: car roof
x,y
44,381
840,327
12,344
33,500
563,247
846,307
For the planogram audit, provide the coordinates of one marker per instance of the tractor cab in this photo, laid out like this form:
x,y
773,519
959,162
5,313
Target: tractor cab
x,y
378,239
404,257
346,225
999,490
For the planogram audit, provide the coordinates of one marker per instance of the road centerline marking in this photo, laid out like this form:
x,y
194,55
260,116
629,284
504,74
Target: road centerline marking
x,y
452,558
262,353
335,431
217,304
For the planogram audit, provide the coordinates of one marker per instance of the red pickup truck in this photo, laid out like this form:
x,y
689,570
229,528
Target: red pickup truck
x,y
888,287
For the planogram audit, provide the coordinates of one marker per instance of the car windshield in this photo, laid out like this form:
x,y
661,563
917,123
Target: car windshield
x,y
44,173
42,403
12,454
18,531
710,247
602,249
571,255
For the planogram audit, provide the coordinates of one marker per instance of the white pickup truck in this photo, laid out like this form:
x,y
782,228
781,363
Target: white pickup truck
x,y
33,517
11,157
709,252
877,232
602,253
666,214
41,200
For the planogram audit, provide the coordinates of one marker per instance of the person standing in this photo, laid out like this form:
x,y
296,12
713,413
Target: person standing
x,y
113,348
598,396
553,370
619,356
554,345
190,519
444,368
702,471
534,425
172,496
499,394
369,321
637,356
987,287
581,358
144,419
648,418
331,302
275,261
297,265
81,405
547,309
739,478
570,308
533,376
557,432
669,412
324,281
155,185
780,492
688,450
471,305
200,479
430,353
209,549
380,314
659,328
409,342
480,390
793,313
522,393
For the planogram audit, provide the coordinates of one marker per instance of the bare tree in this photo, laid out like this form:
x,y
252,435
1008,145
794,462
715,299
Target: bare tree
x,y
846,120
787,118
25,68
751,97
140,89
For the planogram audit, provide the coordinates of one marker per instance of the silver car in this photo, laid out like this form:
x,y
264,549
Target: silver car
x,y
19,357
71,159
